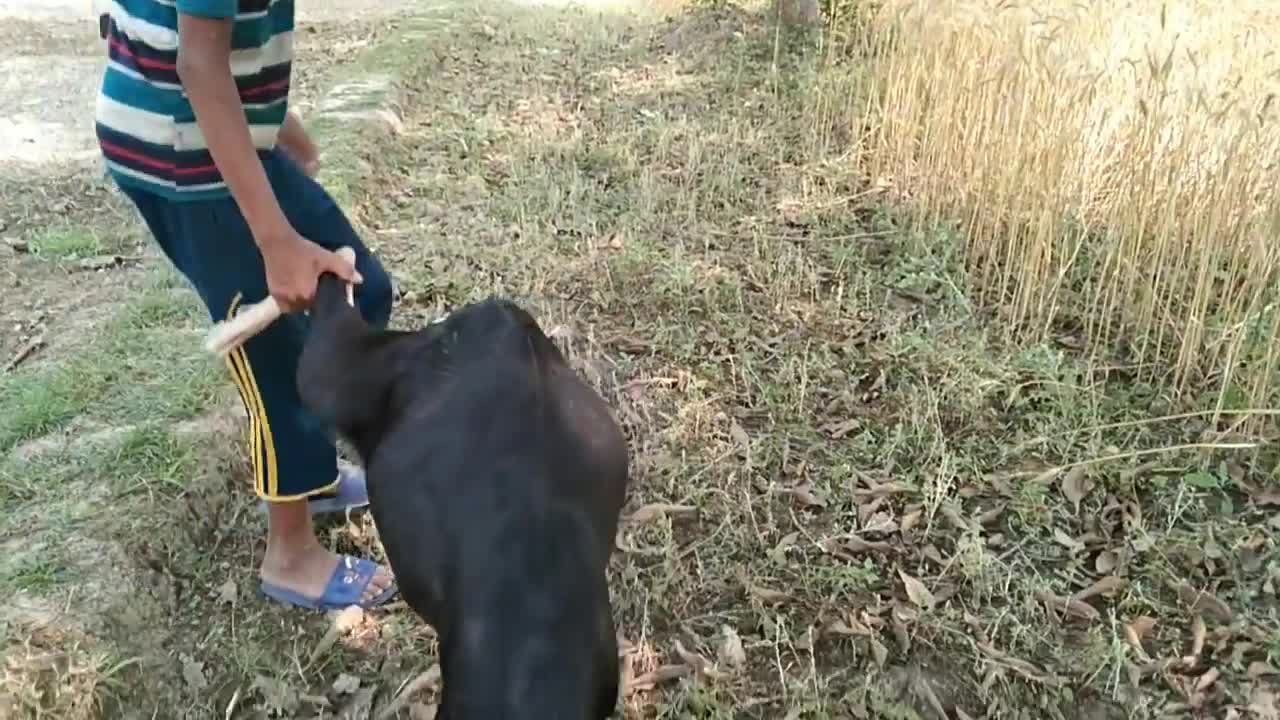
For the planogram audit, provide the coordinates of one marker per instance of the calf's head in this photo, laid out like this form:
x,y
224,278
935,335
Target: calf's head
x,y
348,372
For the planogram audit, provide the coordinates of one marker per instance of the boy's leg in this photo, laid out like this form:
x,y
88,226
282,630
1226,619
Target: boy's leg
x,y
293,458
314,214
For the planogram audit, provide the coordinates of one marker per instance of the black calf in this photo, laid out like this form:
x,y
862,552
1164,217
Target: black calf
x,y
496,477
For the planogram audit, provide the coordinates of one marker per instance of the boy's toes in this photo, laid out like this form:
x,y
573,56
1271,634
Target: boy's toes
x,y
381,581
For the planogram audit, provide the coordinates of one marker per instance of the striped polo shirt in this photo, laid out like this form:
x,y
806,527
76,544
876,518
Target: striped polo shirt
x,y
144,121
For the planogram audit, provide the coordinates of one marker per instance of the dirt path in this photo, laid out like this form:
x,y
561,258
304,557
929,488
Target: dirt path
x,y
50,66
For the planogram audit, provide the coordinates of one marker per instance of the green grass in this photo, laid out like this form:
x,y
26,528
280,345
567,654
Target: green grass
x,y
141,366
37,574
66,241
796,364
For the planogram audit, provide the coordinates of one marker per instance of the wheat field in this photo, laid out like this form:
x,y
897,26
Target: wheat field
x,y
1111,166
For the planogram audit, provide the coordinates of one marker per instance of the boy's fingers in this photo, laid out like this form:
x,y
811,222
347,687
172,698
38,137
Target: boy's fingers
x,y
338,266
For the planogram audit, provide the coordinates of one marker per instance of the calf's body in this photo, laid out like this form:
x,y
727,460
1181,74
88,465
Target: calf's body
x,y
496,476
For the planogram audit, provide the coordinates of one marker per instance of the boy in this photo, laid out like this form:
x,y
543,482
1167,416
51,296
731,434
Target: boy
x,y
193,122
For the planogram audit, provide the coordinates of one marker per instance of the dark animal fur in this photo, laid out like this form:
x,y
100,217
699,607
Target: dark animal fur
x,y
496,477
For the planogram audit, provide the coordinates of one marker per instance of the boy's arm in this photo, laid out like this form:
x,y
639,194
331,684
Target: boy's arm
x,y
204,68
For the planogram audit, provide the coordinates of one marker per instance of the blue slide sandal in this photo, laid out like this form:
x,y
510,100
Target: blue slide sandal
x,y
352,493
346,586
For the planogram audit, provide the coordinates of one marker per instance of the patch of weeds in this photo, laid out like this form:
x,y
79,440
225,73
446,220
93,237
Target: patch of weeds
x,y
34,403
66,241
163,307
149,458
24,479
145,364
36,572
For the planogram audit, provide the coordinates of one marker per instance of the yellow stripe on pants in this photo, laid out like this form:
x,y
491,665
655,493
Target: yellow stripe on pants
x,y
263,451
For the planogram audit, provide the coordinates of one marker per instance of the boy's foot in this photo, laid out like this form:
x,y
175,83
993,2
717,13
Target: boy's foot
x,y
321,580
351,494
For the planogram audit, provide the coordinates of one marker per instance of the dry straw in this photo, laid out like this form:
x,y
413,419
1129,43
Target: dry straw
x,y
1109,161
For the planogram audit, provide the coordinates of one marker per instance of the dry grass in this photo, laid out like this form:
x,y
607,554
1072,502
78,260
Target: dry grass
x,y
1112,167
842,507
53,672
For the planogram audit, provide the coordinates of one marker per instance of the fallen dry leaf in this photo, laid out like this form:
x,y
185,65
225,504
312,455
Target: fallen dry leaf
x,y
900,634
1258,669
1106,585
953,516
1199,632
1047,477
1019,666
764,594
917,593
102,262
345,620
779,551
1203,602
992,515
879,651
849,548
1135,632
883,490
317,700
1066,541
848,628
881,523
1262,496
1106,562
346,684
227,592
1206,680
910,520
807,638
1069,605
805,494
731,651
652,679
700,664
838,430
653,511
1141,627
193,674
1076,486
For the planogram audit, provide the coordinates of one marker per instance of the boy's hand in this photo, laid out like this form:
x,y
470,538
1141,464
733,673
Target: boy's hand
x,y
294,265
